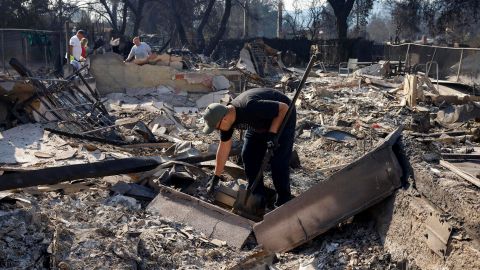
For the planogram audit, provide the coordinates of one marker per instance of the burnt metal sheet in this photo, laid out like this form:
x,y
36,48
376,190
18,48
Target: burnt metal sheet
x,y
351,190
213,221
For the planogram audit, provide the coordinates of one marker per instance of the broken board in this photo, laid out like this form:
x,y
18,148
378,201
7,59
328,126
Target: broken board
x,y
213,221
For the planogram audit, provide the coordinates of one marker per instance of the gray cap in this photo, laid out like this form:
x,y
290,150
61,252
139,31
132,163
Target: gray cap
x,y
212,115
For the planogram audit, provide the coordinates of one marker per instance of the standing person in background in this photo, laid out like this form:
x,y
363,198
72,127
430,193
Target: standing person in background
x,y
75,49
84,43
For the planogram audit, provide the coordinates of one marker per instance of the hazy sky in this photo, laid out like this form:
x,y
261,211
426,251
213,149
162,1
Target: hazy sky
x,y
302,3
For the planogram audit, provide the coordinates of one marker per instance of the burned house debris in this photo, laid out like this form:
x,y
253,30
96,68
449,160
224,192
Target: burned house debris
x,y
108,167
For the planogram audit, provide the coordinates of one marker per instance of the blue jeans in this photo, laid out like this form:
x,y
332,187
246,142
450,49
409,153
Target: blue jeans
x,y
254,148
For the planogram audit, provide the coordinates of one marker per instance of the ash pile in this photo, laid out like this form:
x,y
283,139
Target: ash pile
x,y
112,172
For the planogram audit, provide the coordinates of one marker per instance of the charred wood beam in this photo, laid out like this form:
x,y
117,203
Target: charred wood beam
x,y
50,176
54,175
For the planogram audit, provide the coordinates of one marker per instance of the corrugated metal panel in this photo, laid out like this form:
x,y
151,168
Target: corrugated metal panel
x,y
213,221
358,186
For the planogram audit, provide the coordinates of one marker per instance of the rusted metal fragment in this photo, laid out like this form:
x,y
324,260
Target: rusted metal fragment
x,y
351,190
213,221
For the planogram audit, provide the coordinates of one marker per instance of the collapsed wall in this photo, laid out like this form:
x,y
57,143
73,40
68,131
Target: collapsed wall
x,y
112,75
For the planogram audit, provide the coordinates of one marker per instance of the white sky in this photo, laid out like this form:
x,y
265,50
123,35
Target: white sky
x,y
301,3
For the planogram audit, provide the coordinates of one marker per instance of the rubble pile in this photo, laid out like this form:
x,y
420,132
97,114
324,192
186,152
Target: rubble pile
x,y
108,214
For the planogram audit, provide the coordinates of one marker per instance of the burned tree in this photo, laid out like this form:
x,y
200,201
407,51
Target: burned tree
x,y
137,10
201,26
406,16
342,9
178,22
221,31
114,12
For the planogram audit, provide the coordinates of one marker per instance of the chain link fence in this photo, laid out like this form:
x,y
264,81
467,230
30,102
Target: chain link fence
x,y
40,51
458,65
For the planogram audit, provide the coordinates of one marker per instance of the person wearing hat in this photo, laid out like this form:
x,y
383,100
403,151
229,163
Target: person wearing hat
x,y
259,111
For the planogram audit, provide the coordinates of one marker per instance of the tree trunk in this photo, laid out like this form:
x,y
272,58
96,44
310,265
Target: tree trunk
x,y
201,26
223,26
341,9
342,27
178,23
138,16
121,31
138,12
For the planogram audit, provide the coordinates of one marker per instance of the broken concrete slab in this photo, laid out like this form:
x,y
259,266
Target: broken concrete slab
x,y
351,190
213,221
215,97
220,83
16,143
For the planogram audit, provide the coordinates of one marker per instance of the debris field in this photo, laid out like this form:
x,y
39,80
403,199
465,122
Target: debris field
x,y
105,173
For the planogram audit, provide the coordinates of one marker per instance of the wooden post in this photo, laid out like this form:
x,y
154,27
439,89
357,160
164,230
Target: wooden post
x,y
280,19
410,90
245,20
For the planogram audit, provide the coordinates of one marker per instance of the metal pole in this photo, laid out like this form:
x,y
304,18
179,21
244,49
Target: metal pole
x,y
245,20
460,66
26,51
67,43
3,51
407,58
280,20
429,66
60,54
45,51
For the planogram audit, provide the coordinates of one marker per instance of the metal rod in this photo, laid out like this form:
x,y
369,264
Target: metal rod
x,y
37,112
45,51
3,51
460,66
94,94
98,129
433,57
67,44
26,52
67,108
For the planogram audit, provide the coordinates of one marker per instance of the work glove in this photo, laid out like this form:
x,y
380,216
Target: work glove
x,y
72,58
212,183
271,141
